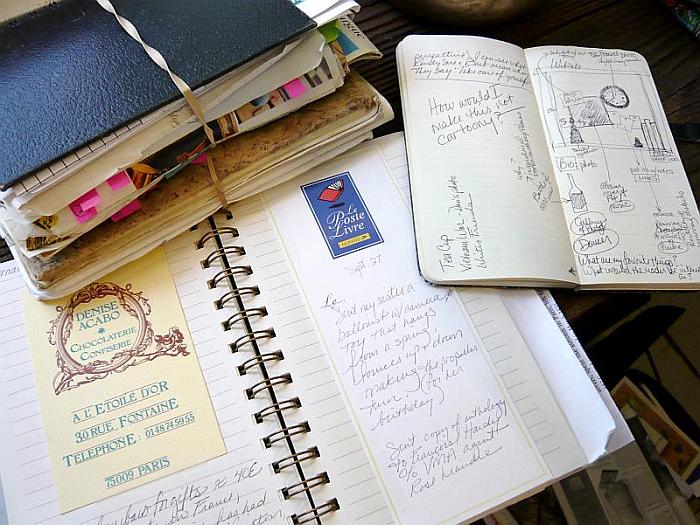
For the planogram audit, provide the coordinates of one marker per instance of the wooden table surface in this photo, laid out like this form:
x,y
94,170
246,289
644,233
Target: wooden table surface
x,y
645,26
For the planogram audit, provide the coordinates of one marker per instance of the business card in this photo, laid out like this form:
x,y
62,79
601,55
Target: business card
x,y
120,388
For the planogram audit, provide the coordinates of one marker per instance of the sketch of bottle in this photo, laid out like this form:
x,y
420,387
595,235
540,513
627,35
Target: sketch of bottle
x,y
576,196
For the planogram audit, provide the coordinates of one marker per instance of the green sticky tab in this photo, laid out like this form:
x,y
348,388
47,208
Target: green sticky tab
x,y
330,31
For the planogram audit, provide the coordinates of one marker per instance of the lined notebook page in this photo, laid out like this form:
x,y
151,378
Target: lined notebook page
x,y
485,202
342,454
631,212
441,386
242,482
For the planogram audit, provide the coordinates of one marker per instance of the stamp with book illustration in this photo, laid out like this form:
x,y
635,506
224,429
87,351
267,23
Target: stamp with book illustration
x,y
341,214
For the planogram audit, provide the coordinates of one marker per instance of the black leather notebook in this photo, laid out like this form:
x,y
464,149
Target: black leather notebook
x,y
70,74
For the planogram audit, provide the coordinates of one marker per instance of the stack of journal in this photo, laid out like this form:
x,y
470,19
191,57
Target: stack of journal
x,y
105,159
285,363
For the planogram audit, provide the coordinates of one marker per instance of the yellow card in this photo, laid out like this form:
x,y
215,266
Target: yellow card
x,y
120,387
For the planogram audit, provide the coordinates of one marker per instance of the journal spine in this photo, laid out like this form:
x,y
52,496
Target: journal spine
x,y
267,364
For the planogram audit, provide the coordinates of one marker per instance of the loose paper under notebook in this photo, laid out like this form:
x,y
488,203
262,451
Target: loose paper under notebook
x,y
394,394
547,166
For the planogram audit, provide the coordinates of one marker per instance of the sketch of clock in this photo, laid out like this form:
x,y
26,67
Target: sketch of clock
x,y
614,96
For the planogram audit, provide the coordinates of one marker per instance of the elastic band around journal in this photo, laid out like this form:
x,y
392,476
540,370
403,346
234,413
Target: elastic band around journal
x,y
181,85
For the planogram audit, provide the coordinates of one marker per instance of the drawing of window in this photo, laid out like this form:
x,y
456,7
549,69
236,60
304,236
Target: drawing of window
x,y
591,112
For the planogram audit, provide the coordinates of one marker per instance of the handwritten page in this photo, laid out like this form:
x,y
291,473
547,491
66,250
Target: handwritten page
x,y
121,390
485,202
631,214
440,384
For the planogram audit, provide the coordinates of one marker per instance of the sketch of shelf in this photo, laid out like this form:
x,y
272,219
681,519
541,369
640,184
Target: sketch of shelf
x,y
654,140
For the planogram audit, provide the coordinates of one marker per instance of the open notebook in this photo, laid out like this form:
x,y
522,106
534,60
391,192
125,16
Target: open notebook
x,y
377,397
546,166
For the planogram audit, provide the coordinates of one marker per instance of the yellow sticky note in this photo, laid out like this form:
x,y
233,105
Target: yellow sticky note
x,y
121,391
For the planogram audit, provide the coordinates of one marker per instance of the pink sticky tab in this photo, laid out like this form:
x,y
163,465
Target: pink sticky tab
x,y
84,207
127,210
201,159
295,88
88,200
82,215
118,180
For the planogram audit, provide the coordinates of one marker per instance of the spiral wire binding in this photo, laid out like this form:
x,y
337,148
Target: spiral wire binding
x,y
220,252
276,408
257,359
235,294
306,484
267,384
244,314
259,362
286,432
293,459
229,272
315,513
216,233
248,338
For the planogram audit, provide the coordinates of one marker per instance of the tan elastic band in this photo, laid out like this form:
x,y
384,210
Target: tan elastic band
x,y
217,183
191,100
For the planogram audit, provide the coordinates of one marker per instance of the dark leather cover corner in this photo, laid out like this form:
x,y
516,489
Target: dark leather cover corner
x,y
70,74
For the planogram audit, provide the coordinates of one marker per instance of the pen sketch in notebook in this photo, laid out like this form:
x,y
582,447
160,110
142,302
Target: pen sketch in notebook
x,y
628,207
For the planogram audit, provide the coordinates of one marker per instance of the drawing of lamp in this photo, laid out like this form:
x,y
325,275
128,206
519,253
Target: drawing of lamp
x,y
575,134
576,196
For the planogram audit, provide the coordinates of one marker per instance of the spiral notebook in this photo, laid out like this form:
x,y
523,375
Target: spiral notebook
x,y
347,389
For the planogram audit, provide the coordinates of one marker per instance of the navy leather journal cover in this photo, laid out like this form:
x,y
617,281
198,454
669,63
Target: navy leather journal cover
x,y
70,74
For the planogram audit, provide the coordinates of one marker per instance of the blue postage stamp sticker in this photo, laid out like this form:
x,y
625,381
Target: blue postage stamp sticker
x,y
341,215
